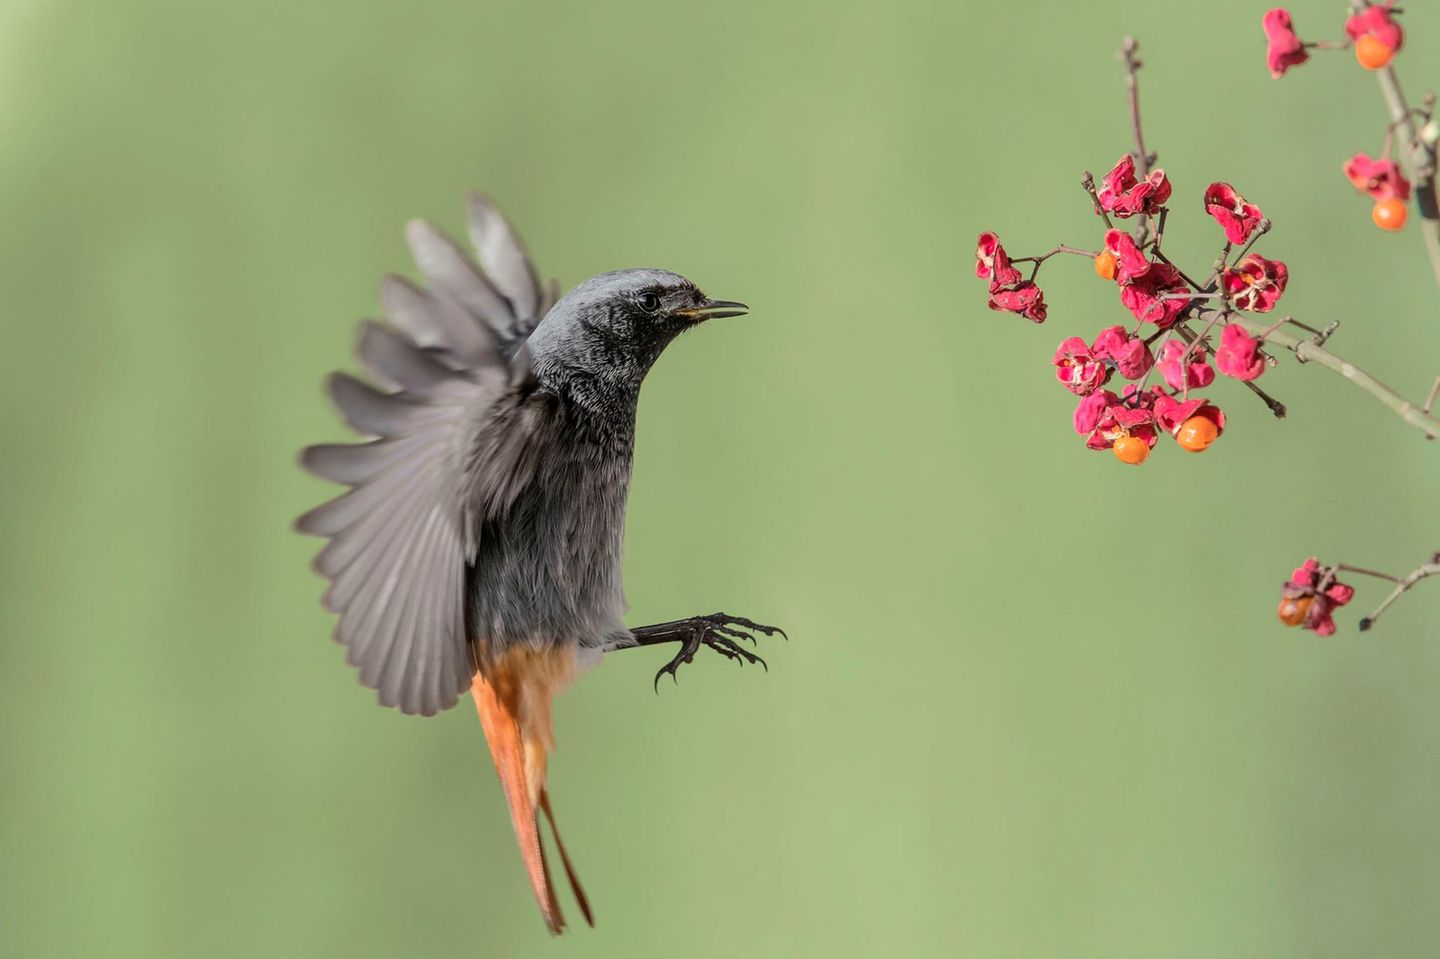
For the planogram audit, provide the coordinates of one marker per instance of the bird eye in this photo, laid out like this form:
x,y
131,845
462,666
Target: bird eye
x,y
649,302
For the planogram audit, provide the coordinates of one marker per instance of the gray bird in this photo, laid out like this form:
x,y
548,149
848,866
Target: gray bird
x,y
479,545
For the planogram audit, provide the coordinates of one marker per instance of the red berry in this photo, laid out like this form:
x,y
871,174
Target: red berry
x,y
1105,263
1197,433
1292,611
1390,214
1372,52
1131,449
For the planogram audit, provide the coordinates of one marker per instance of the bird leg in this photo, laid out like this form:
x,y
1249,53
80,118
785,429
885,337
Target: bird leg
x,y
719,631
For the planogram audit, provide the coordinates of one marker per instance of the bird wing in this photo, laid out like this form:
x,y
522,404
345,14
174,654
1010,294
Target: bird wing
x,y
454,423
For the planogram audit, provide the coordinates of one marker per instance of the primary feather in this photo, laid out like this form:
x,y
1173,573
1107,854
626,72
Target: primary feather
x,y
449,446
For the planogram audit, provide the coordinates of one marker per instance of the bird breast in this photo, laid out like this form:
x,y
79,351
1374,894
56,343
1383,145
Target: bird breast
x,y
548,572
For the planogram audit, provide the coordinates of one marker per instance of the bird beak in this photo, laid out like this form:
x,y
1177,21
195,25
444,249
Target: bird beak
x,y
714,310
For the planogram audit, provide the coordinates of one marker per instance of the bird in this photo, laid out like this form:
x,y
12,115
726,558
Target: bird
x,y
478,546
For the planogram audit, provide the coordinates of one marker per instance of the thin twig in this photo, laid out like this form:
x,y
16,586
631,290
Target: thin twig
x,y
1088,182
1062,248
1129,55
1277,408
1129,50
1145,380
1362,571
1190,350
1308,351
1402,585
1261,228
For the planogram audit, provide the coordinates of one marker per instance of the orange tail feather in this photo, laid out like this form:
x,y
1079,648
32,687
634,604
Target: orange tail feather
x,y
575,887
514,708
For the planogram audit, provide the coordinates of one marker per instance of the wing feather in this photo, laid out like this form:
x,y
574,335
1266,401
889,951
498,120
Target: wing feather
x,y
454,433
452,274
369,411
394,358
502,256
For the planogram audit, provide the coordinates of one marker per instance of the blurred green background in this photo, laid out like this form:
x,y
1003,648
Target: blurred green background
x,y
1035,703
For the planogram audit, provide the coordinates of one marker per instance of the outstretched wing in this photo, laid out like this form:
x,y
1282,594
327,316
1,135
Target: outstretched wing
x,y
451,425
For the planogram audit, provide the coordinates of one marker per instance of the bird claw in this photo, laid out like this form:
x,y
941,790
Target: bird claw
x,y
719,632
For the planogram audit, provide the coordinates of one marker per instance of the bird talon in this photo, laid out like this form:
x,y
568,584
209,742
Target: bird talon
x,y
743,623
736,633
723,634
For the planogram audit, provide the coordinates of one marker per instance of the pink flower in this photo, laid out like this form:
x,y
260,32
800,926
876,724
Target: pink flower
x,y
1077,367
1325,594
1092,410
1381,178
1145,296
1129,261
1377,21
987,251
1255,283
1125,196
1239,353
1236,215
1171,413
1023,298
1198,372
1107,417
1132,358
1009,290
1283,48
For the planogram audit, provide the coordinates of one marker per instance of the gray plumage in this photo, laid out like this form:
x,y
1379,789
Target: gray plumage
x,y
487,510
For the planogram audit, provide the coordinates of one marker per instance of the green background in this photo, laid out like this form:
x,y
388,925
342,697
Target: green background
x,y
1035,703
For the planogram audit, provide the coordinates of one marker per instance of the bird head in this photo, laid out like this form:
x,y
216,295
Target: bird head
x,y
611,328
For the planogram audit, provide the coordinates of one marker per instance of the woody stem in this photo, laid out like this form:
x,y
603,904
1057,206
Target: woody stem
x,y
1087,182
1189,350
1062,248
1308,351
1277,408
1261,228
1401,585
1362,571
1129,48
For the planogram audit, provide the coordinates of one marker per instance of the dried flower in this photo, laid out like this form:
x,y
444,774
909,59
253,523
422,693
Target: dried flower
x,y
1255,283
1283,49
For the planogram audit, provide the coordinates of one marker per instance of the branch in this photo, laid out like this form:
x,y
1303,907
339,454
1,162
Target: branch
x,y
1129,50
1418,157
1062,248
1129,55
1431,568
1211,317
1309,351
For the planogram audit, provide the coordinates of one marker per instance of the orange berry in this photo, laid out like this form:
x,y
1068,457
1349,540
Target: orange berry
x,y
1105,263
1372,52
1292,611
1197,433
1131,449
1390,214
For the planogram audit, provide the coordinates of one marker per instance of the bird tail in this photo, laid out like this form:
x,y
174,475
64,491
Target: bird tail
x,y
513,700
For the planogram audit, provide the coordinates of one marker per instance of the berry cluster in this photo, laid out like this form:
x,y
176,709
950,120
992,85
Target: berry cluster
x,y
1372,32
1312,594
1375,36
1314,591
1163,301
1187,331
1382,181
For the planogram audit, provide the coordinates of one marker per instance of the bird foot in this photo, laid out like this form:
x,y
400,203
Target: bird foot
x,y
719,632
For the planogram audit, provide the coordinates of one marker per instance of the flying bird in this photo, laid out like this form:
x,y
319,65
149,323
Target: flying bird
x,y
479,545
